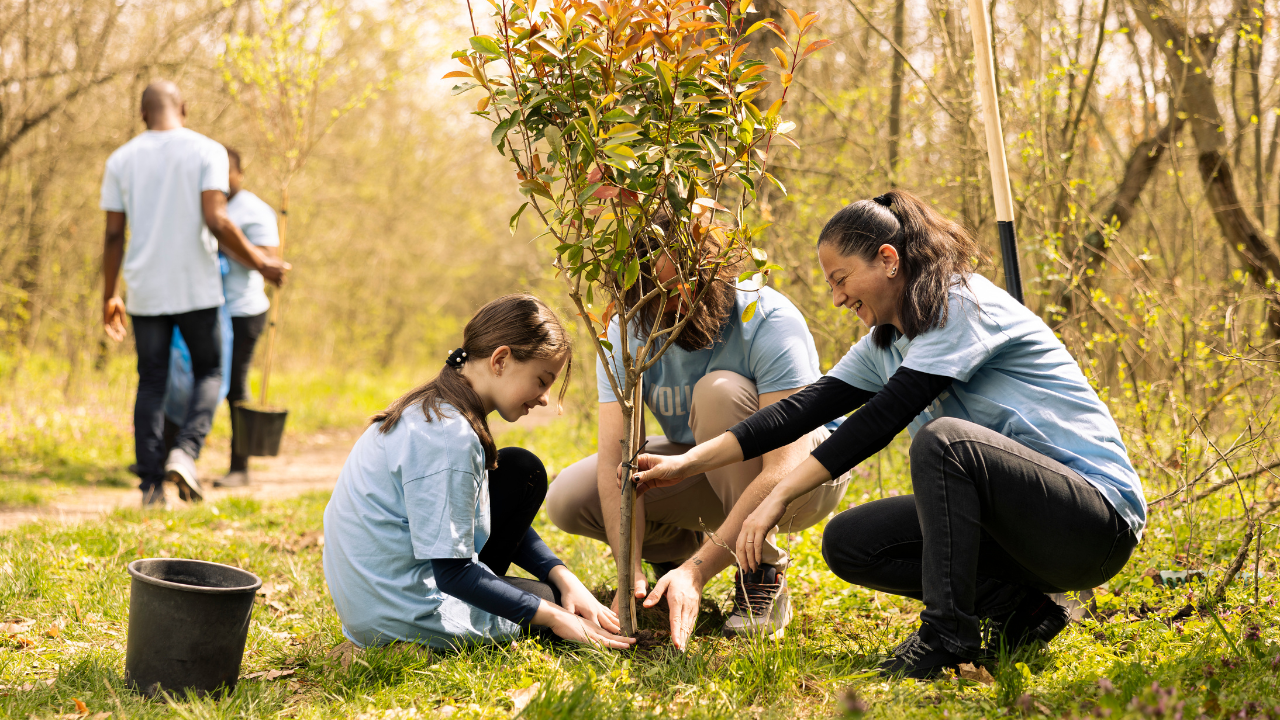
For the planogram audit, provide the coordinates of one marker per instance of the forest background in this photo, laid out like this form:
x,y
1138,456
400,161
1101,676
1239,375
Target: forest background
x,y
1142,140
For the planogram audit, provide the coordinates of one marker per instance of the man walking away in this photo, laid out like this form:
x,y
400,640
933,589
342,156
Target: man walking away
x,y
247,302
170,183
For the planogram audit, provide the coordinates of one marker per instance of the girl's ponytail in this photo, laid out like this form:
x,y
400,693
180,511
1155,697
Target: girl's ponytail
x,y
522,323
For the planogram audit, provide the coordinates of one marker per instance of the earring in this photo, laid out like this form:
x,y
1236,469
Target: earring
x,y
893,272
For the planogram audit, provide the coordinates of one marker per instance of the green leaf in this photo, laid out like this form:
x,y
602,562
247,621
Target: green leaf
x,y
582,196
750,312
608,346
515,219
486,46
632,274
500,132
777,182
552,134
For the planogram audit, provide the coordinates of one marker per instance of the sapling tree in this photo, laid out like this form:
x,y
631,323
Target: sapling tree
x,y
295,80
622,118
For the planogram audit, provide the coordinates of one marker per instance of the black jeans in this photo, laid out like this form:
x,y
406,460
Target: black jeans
x,y
245,332
153,335
990,520
516,491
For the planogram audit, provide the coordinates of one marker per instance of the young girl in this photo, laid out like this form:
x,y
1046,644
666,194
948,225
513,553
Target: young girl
x,y
428,514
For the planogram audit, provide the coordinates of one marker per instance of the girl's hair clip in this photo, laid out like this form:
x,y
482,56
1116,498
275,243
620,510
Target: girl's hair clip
x,y
457,358
887,201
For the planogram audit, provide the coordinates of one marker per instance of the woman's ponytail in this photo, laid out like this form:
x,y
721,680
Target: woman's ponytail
x,y
520,322
932,251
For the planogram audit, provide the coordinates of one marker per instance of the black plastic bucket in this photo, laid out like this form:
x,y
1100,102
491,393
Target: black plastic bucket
x,y
188,621
258,432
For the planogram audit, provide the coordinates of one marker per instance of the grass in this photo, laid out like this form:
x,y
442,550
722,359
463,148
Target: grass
x,y
1144,653
1132,658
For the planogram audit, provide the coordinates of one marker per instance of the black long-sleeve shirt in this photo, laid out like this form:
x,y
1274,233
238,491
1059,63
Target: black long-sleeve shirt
x,y
476,585
879,418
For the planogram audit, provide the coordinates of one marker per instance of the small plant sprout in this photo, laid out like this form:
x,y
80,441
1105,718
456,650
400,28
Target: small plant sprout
x,y
621,112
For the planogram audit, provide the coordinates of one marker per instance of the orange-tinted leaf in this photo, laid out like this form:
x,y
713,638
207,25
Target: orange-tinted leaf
x,y
786,79
783,62
795,16
808,20
457,73
775,108
482,104
735,60
777,30
751,72
80,706
709,204
54,631
815,46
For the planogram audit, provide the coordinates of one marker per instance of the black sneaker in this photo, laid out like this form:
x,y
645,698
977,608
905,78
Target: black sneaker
x,y
1036,619
922,656
761,603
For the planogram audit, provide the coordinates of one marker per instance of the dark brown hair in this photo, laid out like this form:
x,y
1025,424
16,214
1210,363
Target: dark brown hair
x,y
709,314
521,322
931,250
233,156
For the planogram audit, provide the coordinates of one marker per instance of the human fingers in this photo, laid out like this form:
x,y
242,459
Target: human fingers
x,y
656,594
606,619
607,639
683,616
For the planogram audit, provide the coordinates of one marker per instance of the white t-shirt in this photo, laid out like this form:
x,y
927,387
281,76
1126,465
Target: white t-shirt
x,y
244,288
155,179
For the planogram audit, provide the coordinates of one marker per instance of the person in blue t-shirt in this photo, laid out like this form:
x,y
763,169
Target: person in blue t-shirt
x,y
719,371
428,514
1022,485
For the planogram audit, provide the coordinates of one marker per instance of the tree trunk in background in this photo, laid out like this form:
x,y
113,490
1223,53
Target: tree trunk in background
x,y
895,90
1141,166
1197,100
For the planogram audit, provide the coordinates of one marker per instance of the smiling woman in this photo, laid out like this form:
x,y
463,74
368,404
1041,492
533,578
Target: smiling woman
x,y
1022,484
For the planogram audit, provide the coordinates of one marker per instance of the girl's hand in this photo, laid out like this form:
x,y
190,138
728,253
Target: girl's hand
x,y
655,471
581,630
756,528
577,599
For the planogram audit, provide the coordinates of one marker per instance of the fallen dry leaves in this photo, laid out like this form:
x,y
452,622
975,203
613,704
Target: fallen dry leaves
x,y
976,673
15,626
521,697
268,674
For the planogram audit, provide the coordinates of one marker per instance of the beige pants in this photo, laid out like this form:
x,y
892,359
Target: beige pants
x,y
674,514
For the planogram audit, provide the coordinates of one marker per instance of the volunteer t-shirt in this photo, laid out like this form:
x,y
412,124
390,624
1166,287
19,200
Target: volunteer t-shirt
x,y
244,288
403,498
1013,376
774,349
155,179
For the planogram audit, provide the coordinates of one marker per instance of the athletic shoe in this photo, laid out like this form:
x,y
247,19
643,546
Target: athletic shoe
x,y
233,479
1036,619
180,469
153,498
922,656
761,603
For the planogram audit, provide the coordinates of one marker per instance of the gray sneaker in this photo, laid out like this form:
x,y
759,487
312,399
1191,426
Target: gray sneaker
x,y
761,604
180,469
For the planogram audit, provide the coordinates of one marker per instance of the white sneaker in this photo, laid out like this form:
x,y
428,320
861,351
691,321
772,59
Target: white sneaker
x,y
761,604
180,469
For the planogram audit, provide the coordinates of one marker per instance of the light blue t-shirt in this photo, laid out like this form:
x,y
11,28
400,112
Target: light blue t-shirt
x,y
244,288
404,498
1013,376
773,349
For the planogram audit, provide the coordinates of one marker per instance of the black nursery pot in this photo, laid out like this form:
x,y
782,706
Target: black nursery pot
x,y
188,621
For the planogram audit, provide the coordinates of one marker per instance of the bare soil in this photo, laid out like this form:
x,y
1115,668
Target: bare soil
x,y
304,464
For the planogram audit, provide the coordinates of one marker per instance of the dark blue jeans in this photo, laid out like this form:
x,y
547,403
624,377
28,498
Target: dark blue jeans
x,y
990,520
153,335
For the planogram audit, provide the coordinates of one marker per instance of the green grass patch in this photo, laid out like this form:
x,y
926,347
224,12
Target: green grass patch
x,y
67,587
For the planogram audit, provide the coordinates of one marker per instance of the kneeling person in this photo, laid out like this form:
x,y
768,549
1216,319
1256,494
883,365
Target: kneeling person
x,y
428,514
719,371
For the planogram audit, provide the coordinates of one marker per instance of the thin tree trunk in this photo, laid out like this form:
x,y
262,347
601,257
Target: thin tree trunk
x,y
895,90
1197,100
628,542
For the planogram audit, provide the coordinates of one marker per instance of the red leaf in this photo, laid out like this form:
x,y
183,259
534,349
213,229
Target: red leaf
x,y
606,191
814,47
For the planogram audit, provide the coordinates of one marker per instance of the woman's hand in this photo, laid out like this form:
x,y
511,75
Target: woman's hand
x,y
655,471
581,630
578,600
683,590
756,528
